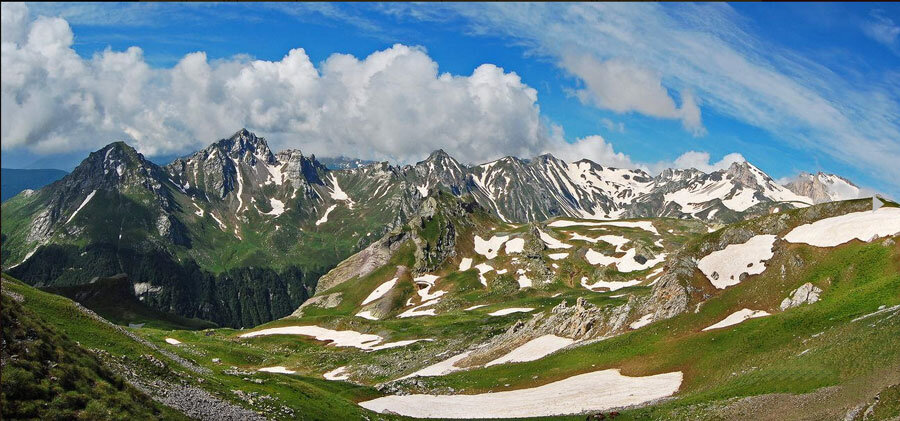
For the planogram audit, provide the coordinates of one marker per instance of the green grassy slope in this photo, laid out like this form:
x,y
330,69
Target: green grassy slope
x,y
47,375
281,397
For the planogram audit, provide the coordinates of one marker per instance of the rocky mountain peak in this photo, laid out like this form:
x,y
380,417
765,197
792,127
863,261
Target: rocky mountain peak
x,y
823,187
112,165
245,145
746,174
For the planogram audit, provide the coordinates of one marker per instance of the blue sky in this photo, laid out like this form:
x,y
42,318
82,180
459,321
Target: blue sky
x,y
790,87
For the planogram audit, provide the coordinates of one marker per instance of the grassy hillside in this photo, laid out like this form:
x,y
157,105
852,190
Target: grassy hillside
x,y
47,375
152,362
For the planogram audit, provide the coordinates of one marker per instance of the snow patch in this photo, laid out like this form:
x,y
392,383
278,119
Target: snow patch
x,y
557,256
482,269
280,369
338,194
439,369
339,338
737,317
173,341
724,267
612,286
489,248
552,242
379,291
465,264
516,245
277,208
324,218
511,310
85,202
596,391
523,281
863,226
366,315
643,321
534,349
339,373
141,288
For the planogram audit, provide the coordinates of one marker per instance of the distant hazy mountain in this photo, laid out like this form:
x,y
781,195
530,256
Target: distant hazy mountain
x,y
14,181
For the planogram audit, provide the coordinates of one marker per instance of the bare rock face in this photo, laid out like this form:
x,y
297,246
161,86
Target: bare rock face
x,y
323,301
362,263
806,294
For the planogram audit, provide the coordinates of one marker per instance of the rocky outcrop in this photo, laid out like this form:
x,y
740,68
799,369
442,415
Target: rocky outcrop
x,y
581,321
322,301
363,263
806,294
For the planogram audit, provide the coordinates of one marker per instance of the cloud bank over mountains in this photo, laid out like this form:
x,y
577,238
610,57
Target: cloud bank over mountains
x,y
393,104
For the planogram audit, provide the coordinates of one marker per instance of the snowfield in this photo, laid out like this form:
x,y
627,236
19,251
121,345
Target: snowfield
x,y
339,338
724,267
863,226
595,391
737,317
379,291
465,264
173,341
489,248
534,349
557,256
510,310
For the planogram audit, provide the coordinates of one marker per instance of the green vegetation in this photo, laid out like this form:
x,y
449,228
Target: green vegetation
x,y
46,375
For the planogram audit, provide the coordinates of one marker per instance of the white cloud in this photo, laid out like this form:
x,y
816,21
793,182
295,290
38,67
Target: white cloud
x,y
883,29
710,50
612,125
393,104
700,161
623,86
594,148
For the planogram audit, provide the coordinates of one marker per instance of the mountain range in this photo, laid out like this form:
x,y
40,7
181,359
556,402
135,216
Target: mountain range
x,y
239,235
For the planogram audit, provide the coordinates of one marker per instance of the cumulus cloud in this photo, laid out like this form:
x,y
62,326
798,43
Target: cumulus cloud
x,y
701,161
623,86
594,148
393,104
